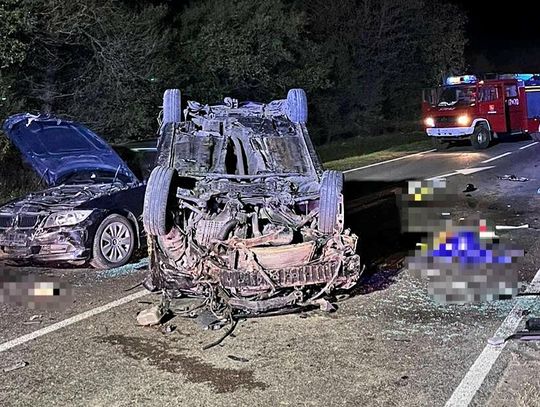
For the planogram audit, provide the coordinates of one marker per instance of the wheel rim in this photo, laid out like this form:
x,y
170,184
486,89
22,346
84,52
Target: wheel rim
x,y
482,137
115,242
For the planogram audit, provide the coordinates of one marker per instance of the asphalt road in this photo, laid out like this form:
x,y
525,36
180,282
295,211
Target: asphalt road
x,y
389,344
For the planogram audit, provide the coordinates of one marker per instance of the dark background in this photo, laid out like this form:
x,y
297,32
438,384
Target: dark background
x,y
502,38
363,63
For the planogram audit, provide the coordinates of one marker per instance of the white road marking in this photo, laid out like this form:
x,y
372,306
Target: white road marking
x,y
529,145
477,373
66,322
464,171
442,176
389,161
468,171
497,157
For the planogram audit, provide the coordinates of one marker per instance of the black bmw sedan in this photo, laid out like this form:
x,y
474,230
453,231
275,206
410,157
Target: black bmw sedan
x,y
91,210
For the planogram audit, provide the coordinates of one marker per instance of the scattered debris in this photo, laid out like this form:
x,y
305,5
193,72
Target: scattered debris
x,y
538,191
168,329
531,333
208,320
324,305
33,320
133,287
150,316
16,366
510,227
342,297
470,188
237,358
129,268
533,324
513,178
227,333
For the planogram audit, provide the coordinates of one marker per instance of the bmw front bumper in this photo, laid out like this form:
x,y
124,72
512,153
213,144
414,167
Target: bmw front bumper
x,y
65,244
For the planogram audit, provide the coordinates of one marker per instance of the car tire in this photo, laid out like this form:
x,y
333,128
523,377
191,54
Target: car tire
x,y
481,137
156,220
172,110
297,108
114,243
330,200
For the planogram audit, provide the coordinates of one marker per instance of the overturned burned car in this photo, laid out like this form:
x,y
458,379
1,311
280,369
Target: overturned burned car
x,y
92,207
240,211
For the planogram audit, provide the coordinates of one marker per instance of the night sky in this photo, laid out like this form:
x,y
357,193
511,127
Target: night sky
x,y
505,37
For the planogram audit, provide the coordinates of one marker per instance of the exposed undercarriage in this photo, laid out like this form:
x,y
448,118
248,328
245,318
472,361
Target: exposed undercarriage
x,y
256,252
240,211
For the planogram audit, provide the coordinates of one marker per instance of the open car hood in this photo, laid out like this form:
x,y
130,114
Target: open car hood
x,y
56,148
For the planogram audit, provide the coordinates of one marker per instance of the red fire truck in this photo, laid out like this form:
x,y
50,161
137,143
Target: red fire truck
x,y
466,107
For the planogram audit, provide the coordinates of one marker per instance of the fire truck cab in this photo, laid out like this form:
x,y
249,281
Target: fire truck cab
x,y
480,110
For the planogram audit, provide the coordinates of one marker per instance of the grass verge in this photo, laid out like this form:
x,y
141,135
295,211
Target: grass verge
x,y
357,152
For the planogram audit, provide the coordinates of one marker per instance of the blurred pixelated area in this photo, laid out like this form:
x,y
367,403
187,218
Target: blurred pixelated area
x,y
465,261
33,291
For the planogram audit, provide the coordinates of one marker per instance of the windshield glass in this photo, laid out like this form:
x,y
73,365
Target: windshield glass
x,y
93,177
456,95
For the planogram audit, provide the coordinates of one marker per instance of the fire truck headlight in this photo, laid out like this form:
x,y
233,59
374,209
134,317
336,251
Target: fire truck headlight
x,y
429,122
464,120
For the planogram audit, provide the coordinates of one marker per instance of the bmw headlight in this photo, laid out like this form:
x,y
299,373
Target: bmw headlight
x,y
66,218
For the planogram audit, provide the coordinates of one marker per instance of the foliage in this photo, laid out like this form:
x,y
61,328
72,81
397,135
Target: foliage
x,y
248,49
13,23
383,52
107,62
97,62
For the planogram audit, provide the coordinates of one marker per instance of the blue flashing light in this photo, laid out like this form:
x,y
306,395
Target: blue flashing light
x,y
463,79
524,76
